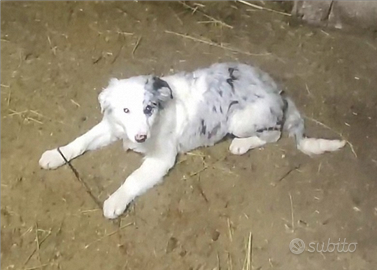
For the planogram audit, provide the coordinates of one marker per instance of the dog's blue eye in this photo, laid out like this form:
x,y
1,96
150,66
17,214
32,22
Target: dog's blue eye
x,y
148,109
126,110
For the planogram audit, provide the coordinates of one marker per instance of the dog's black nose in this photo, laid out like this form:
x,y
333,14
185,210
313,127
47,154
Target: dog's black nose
x,y
140,138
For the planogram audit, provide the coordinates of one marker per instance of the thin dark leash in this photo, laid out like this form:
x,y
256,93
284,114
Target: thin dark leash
x,y
87,189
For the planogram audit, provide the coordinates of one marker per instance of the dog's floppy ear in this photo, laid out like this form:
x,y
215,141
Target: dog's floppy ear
x,y
162,87
104,96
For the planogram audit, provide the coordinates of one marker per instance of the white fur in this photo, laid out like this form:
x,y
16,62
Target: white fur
x,y
194,109
312,146
240,146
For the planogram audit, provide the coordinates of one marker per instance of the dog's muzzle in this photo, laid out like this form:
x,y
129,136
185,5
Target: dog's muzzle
x,y
140,138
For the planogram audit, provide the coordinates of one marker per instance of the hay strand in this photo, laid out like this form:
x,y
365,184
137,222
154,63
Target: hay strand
x,y
292,214
109,234
248,256
212,20
215,44
264,8
136,46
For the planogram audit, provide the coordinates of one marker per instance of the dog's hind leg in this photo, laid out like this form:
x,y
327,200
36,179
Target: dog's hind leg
x,y
240,146
254,126
99,136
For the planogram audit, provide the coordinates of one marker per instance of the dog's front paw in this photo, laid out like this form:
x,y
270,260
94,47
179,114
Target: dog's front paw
x,y
115,205
51,159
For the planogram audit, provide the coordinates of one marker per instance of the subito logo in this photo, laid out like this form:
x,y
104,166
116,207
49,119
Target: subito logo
x,y
297,246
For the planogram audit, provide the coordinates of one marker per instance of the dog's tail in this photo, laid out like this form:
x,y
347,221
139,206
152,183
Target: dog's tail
x,y
294,124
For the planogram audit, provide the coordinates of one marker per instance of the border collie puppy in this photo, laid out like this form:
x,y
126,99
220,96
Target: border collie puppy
x,y
161,117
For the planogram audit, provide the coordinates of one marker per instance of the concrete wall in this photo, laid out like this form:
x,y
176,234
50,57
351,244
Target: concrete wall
x,y
338,14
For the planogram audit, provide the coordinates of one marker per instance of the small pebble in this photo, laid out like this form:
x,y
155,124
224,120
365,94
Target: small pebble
x,y
172,244
215,235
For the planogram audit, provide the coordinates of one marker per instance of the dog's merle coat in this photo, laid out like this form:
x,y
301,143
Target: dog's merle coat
x,y
161,117
229,88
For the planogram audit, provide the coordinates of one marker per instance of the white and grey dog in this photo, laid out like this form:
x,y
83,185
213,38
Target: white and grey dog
x,y
161,117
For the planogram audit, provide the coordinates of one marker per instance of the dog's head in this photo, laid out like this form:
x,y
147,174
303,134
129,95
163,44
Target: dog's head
x,y
134,104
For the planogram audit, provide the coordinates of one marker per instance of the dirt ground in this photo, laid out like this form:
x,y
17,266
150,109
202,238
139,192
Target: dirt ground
x,y
55,59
